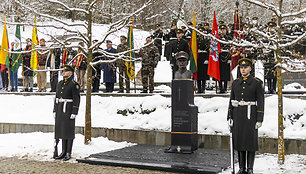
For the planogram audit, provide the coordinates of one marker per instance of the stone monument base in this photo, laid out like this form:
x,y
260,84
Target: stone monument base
x,y
153,158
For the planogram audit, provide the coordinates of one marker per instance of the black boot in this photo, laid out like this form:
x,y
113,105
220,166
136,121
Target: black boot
x,y
251,159
199,83
269,86
69,150
64,150
242,162
144,91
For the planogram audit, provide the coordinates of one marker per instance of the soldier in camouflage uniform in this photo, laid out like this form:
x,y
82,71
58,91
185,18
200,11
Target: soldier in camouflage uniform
x,y
122,67
150,56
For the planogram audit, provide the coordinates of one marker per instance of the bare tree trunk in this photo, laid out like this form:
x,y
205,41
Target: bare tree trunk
x,y
89,80
281,148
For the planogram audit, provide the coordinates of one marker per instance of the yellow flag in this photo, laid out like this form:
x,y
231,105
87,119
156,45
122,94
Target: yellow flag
x,y
34,60
5,44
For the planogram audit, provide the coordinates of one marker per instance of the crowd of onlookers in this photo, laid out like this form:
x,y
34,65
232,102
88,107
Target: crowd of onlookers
x,y
171,41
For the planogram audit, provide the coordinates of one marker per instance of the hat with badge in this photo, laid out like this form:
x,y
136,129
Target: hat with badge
x,y
157,25
271,24
183,27
221,22
68,68
245,62
108,41
173,24
182,55
222,26
123,37
189,23
255,18
205,24
179,31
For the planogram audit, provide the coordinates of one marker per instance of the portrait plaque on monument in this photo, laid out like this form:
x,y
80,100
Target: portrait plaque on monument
x,y
184,114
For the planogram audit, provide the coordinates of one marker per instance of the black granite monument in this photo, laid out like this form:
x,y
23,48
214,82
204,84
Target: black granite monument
x,y
184,114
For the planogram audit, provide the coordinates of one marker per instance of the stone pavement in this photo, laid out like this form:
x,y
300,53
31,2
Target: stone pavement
x,y
21,166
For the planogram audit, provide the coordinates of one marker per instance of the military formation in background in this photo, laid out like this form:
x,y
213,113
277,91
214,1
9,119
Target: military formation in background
x,y
165,43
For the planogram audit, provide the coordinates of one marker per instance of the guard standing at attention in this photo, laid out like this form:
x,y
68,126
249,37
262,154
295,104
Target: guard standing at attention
x,y
245,115
66,107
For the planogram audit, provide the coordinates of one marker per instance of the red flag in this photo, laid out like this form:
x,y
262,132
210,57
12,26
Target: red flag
x,y
214,51
237,37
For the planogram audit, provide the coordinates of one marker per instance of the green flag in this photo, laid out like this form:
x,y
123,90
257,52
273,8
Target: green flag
x,y
16,57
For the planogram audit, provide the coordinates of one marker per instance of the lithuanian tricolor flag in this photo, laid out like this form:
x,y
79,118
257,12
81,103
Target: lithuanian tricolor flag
x,y
193,47
4,44
34,61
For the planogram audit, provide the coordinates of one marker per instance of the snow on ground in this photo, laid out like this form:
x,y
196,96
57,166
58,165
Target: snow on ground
x,y
40,146
212,113
267,164
294,87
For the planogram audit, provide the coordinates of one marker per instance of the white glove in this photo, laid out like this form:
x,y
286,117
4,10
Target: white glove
x,y
54,115
235,103
72,116
230,123
258,125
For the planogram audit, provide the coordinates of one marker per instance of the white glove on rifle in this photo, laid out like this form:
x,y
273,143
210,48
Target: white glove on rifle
x,y
230,123
258,125
54,115
72,116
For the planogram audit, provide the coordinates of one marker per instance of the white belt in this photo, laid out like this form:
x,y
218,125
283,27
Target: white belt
x,y
236,103
65,101
202,51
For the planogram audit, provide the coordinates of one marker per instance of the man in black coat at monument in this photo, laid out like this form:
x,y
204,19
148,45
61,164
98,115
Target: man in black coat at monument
x,y
245,115
176,46
203,45
66,107
224,61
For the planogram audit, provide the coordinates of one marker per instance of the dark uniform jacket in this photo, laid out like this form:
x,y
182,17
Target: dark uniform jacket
x,y
203,51
225,58
27,62
175,47
244,133
64,126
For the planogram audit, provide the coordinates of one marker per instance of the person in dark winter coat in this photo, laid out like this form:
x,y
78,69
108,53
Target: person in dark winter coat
x,y
109,69
245,115
224,60
66,107
176,46
203,50
26,71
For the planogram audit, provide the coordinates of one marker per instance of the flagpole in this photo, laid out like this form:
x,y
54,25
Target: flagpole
x,y
9,78
23,76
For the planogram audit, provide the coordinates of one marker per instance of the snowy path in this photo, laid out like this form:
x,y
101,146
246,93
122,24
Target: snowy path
x,y
39,147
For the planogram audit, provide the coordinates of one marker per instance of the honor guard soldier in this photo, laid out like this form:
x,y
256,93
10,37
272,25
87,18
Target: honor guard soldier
x,y
66,107
189,31
176,46
225,60
245,115
203,51
269,63
171,36
206,27
158,36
